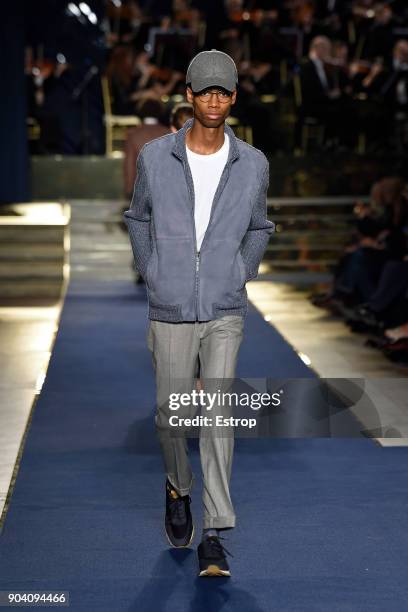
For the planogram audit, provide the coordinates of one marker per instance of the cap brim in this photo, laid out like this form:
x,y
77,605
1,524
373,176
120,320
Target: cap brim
x,y
204,84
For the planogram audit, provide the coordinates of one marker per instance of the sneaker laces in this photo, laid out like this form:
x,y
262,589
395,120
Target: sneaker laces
x,y
178,510
215,542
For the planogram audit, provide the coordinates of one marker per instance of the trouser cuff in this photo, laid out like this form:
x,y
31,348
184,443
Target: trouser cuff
x,y
219,522
181,490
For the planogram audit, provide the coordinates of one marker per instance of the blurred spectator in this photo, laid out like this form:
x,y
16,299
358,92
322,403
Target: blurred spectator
x,y
133,76
179,115
388,199
123,78
379,38
353,69
386,85
127,23
370,286
320,90
45,84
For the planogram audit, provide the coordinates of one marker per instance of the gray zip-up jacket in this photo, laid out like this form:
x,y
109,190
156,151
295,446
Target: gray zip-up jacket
x,y
182,284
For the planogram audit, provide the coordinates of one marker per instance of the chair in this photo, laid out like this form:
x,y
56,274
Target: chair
x,y
33,129
116,126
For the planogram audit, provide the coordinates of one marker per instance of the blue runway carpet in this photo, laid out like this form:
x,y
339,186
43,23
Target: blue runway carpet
x,y
322,523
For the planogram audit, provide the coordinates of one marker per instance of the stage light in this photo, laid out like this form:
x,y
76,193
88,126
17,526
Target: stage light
x,y
85,8
72,8
93,18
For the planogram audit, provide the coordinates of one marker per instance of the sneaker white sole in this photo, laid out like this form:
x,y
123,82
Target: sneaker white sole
x,y
182,545
214,570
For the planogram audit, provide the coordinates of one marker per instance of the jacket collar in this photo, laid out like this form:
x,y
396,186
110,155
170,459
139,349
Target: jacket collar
x,y
179,149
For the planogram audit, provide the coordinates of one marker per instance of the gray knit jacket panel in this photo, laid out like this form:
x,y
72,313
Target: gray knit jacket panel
x,y
138,218
259,230
181,284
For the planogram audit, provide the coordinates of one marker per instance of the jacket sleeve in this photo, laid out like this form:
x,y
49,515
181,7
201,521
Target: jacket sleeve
x,y
259,230
138,218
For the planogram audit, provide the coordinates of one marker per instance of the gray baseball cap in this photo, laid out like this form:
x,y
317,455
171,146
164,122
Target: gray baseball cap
x,y
212,69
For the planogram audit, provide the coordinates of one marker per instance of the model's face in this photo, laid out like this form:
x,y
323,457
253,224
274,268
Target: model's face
x,y
212,105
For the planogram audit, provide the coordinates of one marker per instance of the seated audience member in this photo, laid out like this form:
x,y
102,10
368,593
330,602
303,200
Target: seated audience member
x,y
387,306
133,76
123,79
321,94
359,270
379,38
314,78
386,85
386,313
381,226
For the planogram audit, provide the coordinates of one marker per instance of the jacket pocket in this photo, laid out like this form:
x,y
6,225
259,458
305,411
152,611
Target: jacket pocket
x,y
170,271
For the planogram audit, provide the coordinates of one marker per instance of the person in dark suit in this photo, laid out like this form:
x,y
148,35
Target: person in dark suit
x,y
320,94
332,18
394,86
379,38
315,82
387,85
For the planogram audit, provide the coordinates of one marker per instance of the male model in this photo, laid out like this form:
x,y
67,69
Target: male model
x,y
198,230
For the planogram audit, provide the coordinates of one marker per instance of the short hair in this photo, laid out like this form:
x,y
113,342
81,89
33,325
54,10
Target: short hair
x,y
369,227
150,107
180,113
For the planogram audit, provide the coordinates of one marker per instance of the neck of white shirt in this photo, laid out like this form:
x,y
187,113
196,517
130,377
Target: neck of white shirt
x,y
226,139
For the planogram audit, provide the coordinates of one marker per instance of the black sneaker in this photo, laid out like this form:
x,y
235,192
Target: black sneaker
x,y
178,522
211,557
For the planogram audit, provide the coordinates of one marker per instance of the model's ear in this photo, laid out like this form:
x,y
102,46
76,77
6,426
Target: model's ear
x,y
233,97
189,94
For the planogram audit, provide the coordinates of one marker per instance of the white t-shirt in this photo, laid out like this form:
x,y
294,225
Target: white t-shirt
x,y
206,171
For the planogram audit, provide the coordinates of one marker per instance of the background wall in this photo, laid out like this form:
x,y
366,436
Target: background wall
x,y
14,180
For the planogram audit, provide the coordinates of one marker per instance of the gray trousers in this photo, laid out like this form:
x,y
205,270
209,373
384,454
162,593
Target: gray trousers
x,y
177,349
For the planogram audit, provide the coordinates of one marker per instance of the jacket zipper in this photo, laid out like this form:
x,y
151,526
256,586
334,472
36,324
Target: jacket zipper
x,y
197,253
189,179
197,286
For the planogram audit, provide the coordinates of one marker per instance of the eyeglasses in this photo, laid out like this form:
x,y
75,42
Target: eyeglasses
x,y
222,96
